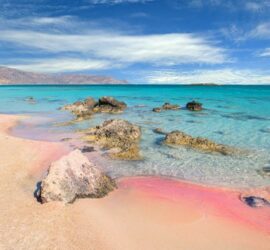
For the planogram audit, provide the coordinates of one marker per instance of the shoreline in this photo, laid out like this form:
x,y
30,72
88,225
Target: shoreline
x,y
149,212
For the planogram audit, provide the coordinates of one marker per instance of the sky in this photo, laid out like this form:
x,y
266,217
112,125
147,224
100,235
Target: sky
x,y
142,41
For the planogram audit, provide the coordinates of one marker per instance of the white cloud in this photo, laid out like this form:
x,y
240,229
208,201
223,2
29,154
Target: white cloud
x,y
221,76
261,31
162,49
60,65
265,53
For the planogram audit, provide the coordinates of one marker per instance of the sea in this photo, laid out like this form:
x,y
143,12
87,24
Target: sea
x,y
238,116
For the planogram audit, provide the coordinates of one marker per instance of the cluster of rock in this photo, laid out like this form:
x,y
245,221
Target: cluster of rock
x,y
74,176
85,109
202,144
120,136
167,106
192,106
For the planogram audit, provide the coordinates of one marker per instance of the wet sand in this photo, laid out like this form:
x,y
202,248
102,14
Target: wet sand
x,y
143,213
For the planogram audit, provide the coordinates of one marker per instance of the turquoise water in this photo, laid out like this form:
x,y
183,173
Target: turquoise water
x,y
234,115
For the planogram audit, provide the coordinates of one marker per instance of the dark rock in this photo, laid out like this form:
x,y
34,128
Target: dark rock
x,y
30,100
180,138
157,110
194,106
120,136
88,149
66,139
265,171
254,201
109,105
74,176
160,131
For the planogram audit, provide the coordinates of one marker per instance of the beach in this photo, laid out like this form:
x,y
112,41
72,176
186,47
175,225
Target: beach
x,y
143,213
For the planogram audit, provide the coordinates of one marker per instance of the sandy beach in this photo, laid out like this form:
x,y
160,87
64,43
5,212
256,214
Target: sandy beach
x,y
143,213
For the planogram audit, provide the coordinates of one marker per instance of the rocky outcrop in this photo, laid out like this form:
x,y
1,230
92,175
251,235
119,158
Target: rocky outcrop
x,y
74,176
166,106
81,109
180,138
85,109
120,136
194,106
109,105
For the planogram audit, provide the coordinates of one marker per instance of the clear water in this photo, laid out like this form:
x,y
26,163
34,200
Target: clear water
x,y
234,115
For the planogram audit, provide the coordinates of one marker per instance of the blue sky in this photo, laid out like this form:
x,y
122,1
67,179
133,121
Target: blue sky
x,y
143,41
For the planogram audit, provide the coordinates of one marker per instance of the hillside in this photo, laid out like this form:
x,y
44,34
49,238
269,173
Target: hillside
x,y
14,76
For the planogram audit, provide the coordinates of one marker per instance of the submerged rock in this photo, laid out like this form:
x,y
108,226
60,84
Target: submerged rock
x,y
265,171
194,106
74,176
30,99
157,110
120,136
85,109
166,106
203,144
160,131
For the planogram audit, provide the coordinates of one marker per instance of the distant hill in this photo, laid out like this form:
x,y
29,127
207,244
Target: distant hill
x,y
14,76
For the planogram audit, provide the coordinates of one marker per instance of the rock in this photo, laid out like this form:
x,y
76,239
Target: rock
x,y
160,131
194,106
157,110
74,176
168,106
265,171
88,149
256,197
81,109
85,109
180,138
109,105
30,99
120,136
254,201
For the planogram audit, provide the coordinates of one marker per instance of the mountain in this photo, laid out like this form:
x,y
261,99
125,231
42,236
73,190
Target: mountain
x,y
14,76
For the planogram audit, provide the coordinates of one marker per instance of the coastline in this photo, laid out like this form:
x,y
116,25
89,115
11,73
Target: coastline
x,y
144,212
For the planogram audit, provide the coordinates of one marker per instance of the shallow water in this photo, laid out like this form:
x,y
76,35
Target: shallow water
x,y
238,116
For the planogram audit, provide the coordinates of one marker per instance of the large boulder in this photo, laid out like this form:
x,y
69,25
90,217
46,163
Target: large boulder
x,y
120,136
194,106
203,144
109,105
74,176
86,108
